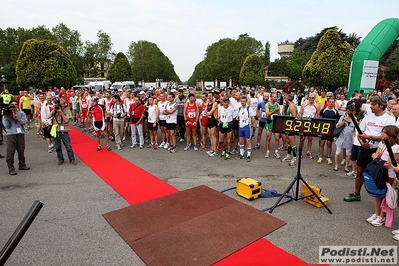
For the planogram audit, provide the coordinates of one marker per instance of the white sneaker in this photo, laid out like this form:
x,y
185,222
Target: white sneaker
x,y
371,218
181,140
396,237
268,154
286,158
213,154
351,173
166,146
161,145
378,221
277,155
343,162
187,147
292,162
395,232
209,152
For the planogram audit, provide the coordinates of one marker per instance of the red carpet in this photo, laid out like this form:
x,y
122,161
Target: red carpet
x,y
141,186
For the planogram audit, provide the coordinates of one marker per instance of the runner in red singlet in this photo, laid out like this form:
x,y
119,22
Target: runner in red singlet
x,y
191,116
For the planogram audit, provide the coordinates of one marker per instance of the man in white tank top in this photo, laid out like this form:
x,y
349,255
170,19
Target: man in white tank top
x,y
309,109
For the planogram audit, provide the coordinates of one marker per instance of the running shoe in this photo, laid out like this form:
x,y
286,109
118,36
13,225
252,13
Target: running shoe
x,y
84,130
181,140
371,218
223,154
267,155
132,146
248,158
150,145
257,146
329,161
277,155
234,151
227,156
239,157
352,197
395,232
141,146
309,155
99,148
195,148
283,147
343,162
213,154
187,148
173,150
320,160
209,152
166,146
155,146
292,162
170,148
161,145
286,159
378,221
351,173
108,148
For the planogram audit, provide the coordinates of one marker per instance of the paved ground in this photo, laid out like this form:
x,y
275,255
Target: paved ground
x,y
71,231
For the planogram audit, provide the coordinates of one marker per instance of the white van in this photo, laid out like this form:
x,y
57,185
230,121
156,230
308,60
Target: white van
x,y
119,85
100,85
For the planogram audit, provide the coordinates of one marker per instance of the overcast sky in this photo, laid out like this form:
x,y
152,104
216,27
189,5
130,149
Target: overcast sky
x,y
184,29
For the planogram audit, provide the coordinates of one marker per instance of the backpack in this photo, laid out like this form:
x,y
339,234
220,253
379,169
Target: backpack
x,y
375,176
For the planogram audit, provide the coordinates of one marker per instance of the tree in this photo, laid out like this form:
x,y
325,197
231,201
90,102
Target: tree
x,y
149,63
330,64
44,63
252,71
70,40
392,72
295,64
267,54
120,70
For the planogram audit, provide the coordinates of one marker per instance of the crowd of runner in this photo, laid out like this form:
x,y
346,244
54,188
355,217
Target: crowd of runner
x,y
229,123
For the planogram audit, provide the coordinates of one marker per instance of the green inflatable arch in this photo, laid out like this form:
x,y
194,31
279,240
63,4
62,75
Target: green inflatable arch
x,y
364,67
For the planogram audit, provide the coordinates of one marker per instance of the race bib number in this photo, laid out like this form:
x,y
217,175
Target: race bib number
x,y
191,114
84,105
62,128
263,115
244,122
19,130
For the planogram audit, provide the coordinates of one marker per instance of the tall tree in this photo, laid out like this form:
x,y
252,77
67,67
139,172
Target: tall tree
x,y
267,54
149,63
44,63
120,70
330,64
72,43
252,71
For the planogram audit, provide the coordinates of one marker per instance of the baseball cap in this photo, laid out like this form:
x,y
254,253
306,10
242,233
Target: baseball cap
x,y
173,90
141,92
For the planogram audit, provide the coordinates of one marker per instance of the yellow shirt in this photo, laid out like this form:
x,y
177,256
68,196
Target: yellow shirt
x,y
26,102
320,100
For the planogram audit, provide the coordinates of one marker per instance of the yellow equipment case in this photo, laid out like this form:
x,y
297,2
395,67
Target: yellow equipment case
x,y
310,198
249,188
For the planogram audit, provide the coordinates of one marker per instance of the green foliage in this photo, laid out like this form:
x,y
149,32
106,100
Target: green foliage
x,y
392,72
252,71
43,63
330,64
267,54
223,59
149,63
309,44
120,70
279,67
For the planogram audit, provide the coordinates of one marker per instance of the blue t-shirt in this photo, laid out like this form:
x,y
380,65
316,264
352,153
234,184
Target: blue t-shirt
x,y
326,113
261,106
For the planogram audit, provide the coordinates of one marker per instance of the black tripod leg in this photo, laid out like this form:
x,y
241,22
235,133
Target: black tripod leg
x,y
285,195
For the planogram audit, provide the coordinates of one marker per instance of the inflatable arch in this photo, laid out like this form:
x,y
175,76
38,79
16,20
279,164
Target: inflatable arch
x,y
364,67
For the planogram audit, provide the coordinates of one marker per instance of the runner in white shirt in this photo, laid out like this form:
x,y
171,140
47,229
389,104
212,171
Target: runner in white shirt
x,y
153,117
253,104
341,105
309,109
371,127
162,120
226,115
246,118
171,121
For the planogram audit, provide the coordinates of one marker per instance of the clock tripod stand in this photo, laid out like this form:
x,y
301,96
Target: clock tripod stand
x,y
297,179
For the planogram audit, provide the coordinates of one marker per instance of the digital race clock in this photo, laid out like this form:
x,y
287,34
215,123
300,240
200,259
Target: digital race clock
x,y
306,126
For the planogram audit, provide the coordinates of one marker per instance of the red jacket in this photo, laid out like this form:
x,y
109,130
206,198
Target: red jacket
x,y
136,112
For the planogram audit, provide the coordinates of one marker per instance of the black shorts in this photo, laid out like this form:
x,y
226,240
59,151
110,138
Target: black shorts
x,y
27,111
98,124
235,125
151,126
127,119
171,126
108,119
262,124
227,129
364,157
162,123
46,132
212,122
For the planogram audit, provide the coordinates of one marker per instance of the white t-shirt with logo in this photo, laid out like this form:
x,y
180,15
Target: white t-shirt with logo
x,y
244,116
171,118
161,107
226,114
372,125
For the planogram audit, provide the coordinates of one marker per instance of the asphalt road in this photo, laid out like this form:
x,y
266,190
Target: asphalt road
x,y
70,229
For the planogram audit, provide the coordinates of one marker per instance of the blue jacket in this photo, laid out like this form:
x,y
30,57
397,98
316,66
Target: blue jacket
x,y
11,125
